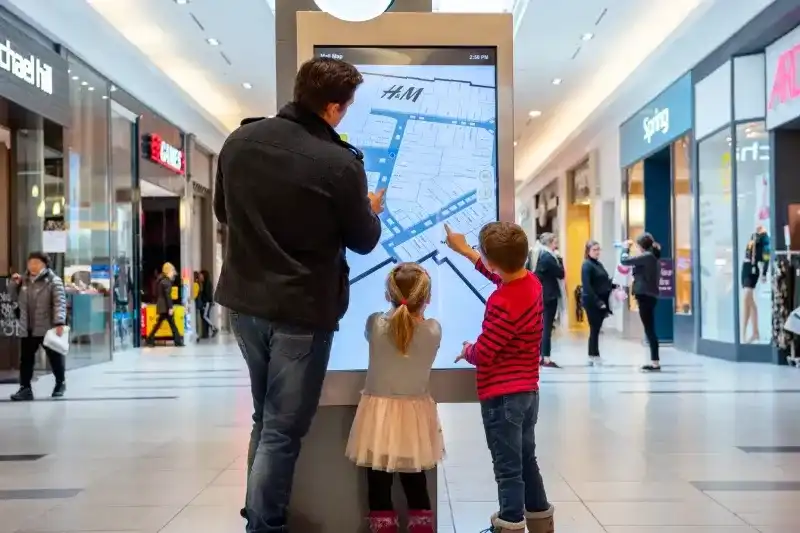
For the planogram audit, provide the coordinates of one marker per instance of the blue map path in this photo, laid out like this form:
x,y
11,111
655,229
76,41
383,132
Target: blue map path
x,y
383,160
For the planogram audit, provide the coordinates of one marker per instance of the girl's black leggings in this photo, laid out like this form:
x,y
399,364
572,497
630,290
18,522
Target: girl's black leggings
x,y
379,490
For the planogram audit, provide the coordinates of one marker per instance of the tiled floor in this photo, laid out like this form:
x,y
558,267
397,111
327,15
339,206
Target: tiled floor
x,y
155,442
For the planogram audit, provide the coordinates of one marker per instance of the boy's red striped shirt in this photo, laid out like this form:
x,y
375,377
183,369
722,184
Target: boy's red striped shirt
x,y
507,351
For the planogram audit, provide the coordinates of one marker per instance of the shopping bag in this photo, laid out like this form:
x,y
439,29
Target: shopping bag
x,y
55,342
622,276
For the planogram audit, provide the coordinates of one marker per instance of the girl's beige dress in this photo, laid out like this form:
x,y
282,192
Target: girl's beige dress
x,y
396,428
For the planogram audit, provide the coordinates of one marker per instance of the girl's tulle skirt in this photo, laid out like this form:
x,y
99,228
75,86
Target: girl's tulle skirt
x,y
396,434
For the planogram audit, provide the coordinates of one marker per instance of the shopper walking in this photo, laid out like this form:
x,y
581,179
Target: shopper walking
x,y
646,273
164,306
42,304
596,289
293,196
550,271
205,299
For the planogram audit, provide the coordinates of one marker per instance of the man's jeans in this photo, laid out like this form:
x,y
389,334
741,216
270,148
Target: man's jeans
x,y
509,424
287,366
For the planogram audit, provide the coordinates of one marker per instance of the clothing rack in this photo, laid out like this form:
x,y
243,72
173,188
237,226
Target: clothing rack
x,y
791,256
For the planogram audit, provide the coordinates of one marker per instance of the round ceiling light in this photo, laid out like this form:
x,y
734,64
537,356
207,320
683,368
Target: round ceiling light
x,y
354,10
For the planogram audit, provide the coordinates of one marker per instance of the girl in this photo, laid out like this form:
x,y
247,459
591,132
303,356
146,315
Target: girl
x,y
595,293
396,428
646,273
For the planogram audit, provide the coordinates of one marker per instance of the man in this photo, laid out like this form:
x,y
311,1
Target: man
x,y
293,196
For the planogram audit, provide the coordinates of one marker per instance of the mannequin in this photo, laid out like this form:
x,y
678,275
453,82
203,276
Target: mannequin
x,y
756,254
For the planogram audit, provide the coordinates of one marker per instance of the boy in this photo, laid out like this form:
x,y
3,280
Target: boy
x,y
506,356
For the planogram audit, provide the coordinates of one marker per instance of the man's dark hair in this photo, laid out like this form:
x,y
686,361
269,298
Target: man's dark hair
x,y
505,245
41,256
322,81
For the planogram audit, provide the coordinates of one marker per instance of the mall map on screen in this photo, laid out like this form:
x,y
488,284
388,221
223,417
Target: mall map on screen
x,y
426,121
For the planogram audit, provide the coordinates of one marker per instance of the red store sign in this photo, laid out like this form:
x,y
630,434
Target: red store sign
x,y
783,85
155,149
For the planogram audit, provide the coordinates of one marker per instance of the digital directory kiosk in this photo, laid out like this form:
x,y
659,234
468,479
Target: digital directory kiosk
x,y
434,118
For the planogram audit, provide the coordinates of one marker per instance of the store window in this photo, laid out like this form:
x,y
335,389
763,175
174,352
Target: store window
x,y
87,269
634,210
683,205
123,270
717,265
753,240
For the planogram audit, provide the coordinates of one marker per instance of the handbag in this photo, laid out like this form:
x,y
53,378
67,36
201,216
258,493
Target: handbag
x,y
55,342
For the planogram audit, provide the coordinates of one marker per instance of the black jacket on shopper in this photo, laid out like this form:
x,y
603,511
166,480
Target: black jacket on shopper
x,y
595,284
293,196
550,271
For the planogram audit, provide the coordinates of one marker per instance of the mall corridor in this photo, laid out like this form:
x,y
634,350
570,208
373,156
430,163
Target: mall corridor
x,y
156,442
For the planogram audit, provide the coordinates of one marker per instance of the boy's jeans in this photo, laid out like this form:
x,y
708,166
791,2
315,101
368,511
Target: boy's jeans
x,y
287,366
509,422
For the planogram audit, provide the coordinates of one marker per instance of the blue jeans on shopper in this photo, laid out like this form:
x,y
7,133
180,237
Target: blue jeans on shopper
x,y
287,366
509,423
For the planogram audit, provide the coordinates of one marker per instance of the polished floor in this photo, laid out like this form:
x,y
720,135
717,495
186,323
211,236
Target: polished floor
x,y
155,442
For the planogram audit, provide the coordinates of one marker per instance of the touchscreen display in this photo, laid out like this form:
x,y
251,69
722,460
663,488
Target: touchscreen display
x,y
426,120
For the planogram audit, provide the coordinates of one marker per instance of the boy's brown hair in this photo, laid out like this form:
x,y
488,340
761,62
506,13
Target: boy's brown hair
x,y
504,245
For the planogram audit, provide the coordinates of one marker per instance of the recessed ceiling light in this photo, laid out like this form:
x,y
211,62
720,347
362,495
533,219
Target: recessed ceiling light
x,y
557,81
113,88
587,36
246,85
91,88
84,83
75,78
105,97
181,2
212,41
515,143
535,113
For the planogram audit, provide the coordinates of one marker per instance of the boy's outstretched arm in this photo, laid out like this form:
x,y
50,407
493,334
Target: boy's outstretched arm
x,y
458,243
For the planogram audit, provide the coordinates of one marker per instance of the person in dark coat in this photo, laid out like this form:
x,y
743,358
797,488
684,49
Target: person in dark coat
x,y
164,305
205,298
294,198
42,306
596,289
550,271
646,274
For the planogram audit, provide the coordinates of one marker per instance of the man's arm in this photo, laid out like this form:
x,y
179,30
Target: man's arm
x,y
496,332
219,195
361,227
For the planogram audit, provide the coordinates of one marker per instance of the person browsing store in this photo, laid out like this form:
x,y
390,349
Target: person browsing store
x,y
646,272
596,289
550,271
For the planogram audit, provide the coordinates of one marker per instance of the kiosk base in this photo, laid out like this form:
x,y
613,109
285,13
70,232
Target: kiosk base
x,y
330,492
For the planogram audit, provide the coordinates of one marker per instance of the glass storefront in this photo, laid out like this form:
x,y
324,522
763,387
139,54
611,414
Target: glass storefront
x,y
715,211
754,220
123,267
683,206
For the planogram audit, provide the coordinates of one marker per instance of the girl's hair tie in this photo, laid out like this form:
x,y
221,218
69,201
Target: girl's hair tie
x,y
403,302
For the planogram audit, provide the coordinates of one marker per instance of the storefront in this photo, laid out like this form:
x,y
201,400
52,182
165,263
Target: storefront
x,y
782,91
747,119
655,156
94,178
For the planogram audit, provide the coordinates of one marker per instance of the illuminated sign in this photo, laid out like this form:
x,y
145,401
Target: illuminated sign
x,y
783,86
354,10
659,122
28,68
160,152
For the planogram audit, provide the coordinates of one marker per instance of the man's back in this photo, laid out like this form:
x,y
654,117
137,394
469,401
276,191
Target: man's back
x,y
293,197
